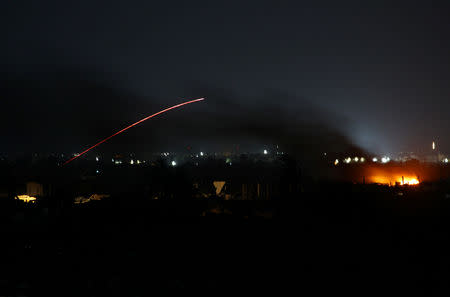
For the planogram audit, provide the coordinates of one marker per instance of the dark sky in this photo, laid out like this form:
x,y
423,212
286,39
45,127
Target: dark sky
x,y
375,74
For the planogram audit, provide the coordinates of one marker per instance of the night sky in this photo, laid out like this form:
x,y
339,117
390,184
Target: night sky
x,y
306,75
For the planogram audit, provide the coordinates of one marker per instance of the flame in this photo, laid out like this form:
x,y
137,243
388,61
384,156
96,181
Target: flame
x,y
392,180
412,181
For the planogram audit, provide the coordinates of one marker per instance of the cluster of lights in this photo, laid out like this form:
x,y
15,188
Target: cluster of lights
x,y
349,160
165,154
385,160
201,154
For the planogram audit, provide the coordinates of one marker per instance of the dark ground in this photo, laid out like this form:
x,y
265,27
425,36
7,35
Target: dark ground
x,y
335,241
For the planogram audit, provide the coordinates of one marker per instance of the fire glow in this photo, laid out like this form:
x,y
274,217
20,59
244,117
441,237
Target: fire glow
x,y
391,175
393,180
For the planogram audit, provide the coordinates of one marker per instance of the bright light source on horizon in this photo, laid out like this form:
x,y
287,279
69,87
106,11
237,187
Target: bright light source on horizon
x,y
356,159
348,160
411,181
201,154
362,160
265,152
173,163
336,162
393,179
375,160
385,160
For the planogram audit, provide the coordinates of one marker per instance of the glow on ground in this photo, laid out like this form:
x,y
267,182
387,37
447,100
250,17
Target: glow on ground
x,y
26,198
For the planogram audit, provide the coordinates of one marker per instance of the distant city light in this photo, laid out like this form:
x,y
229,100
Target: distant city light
x,y
385,160
173,163
96,171
375,160
446,160
138,161
201,154
336,162
265,152
97,159
433,145
132,162
348,160
362,160
356,159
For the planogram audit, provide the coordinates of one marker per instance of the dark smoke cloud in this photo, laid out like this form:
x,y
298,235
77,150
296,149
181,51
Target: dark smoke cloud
x,y
60,111
263,120
69,110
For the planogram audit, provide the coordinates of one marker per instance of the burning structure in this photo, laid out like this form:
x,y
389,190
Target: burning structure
x,y
388,172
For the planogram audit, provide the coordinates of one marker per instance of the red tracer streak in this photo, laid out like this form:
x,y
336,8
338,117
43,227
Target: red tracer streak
x,y
132,125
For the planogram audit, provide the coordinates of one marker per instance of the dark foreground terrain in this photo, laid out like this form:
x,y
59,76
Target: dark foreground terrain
x,y
334,241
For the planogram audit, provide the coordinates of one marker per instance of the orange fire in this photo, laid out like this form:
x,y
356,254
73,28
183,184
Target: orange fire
x,y
391,175
392,180
410,181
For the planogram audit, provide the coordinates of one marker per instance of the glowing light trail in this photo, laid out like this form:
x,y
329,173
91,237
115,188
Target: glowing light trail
x,y
132,125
